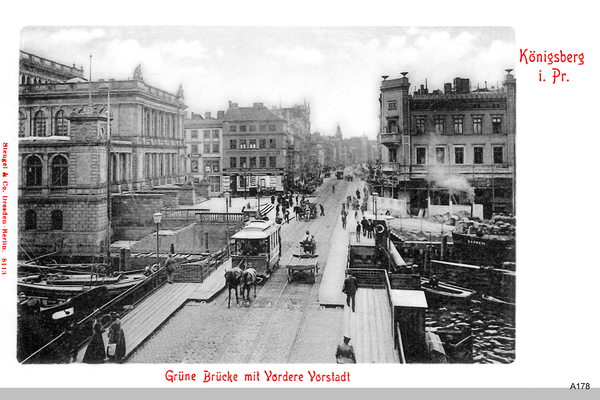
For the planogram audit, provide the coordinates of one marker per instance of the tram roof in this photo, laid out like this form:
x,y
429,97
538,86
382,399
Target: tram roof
x,y
256,229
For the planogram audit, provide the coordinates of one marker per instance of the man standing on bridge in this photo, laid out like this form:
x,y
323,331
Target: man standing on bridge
x,y
350,288
345,352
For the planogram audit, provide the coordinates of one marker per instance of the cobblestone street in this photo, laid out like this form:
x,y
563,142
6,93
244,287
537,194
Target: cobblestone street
x,y
284,324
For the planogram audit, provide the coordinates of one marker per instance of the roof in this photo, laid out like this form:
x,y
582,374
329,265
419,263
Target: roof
x,y
408,298
256,229
251,114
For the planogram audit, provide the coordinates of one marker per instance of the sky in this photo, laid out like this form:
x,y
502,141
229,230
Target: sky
x,y
336,70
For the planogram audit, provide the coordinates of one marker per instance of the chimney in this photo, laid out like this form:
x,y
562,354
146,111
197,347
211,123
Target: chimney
x,y
258,105
207,115
447,88
220,114
232,104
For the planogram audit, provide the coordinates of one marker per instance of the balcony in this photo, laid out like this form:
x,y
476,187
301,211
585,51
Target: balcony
x,y
390,139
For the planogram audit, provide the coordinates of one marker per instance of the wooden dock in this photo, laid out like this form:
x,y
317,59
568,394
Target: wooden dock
x,y
149,315
370,327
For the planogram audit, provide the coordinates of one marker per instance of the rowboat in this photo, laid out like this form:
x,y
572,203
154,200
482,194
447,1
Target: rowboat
x,y
67,286
445,291
496,301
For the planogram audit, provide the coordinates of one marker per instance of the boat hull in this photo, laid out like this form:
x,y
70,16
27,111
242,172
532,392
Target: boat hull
x,y
445,292
491,250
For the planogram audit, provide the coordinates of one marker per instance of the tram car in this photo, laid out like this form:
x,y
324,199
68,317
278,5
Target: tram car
x,y
258,246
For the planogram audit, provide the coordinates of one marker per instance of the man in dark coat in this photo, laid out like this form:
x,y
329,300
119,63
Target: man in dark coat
x,y
365,226
345,352
350,288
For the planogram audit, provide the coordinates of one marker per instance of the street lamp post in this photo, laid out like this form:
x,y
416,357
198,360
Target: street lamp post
x,y
375,195
227,199
157,218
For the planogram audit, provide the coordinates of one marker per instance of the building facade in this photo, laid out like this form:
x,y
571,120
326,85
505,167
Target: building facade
x,y
80,143
204,148
453,146
255,154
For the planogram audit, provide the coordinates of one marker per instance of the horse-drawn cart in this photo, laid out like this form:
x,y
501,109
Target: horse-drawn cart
x,y
303,264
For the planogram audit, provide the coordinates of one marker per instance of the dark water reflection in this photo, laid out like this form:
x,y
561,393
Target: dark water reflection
x,y
493,329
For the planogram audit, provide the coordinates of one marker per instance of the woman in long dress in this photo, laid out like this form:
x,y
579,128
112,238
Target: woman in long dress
x,y
95,352
116,337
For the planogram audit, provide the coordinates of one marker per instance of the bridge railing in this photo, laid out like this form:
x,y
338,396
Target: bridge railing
x,y
60,349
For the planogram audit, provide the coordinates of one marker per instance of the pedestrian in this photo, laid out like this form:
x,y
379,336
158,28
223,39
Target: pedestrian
x,y
344,220
170,267
358,231
116,349
333,189
322,209
345,352
287,215
370,226
272,199
350,288
277,207
365,226
95,353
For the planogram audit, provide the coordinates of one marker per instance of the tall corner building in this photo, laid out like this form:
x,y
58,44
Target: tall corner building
x,y
455,145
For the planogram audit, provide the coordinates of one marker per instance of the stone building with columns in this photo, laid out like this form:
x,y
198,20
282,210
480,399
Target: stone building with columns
x,y
76,169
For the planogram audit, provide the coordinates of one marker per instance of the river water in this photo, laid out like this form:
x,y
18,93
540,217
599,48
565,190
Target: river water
x,y
493,330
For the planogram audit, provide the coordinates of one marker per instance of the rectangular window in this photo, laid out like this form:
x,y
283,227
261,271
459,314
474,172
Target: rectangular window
x,y
215,147
262,128
478,155
420,124
252,128
498,155
242,143
207,134
439,124
242,128
458,125
252,143
272,162
194,166
194,149
496,124
206,148
392,105
440,155
215,134
477,124
262,143
194,133
232,128
233,162
232,144
272,128
215,167
252,162
272,143
243,162
459,155
421,155
262,162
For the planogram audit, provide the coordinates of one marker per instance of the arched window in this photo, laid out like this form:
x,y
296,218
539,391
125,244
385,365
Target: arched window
x,y
60,124
60,171
56,219
30,220
39,124
22,124
33,171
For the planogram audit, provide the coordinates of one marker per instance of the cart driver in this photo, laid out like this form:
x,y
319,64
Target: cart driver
x,y
307,238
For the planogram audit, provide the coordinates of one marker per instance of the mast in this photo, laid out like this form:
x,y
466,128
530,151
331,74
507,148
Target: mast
x,y
108,198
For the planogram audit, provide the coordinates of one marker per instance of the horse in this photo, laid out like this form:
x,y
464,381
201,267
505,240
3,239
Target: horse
x,y
232,279
249,278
